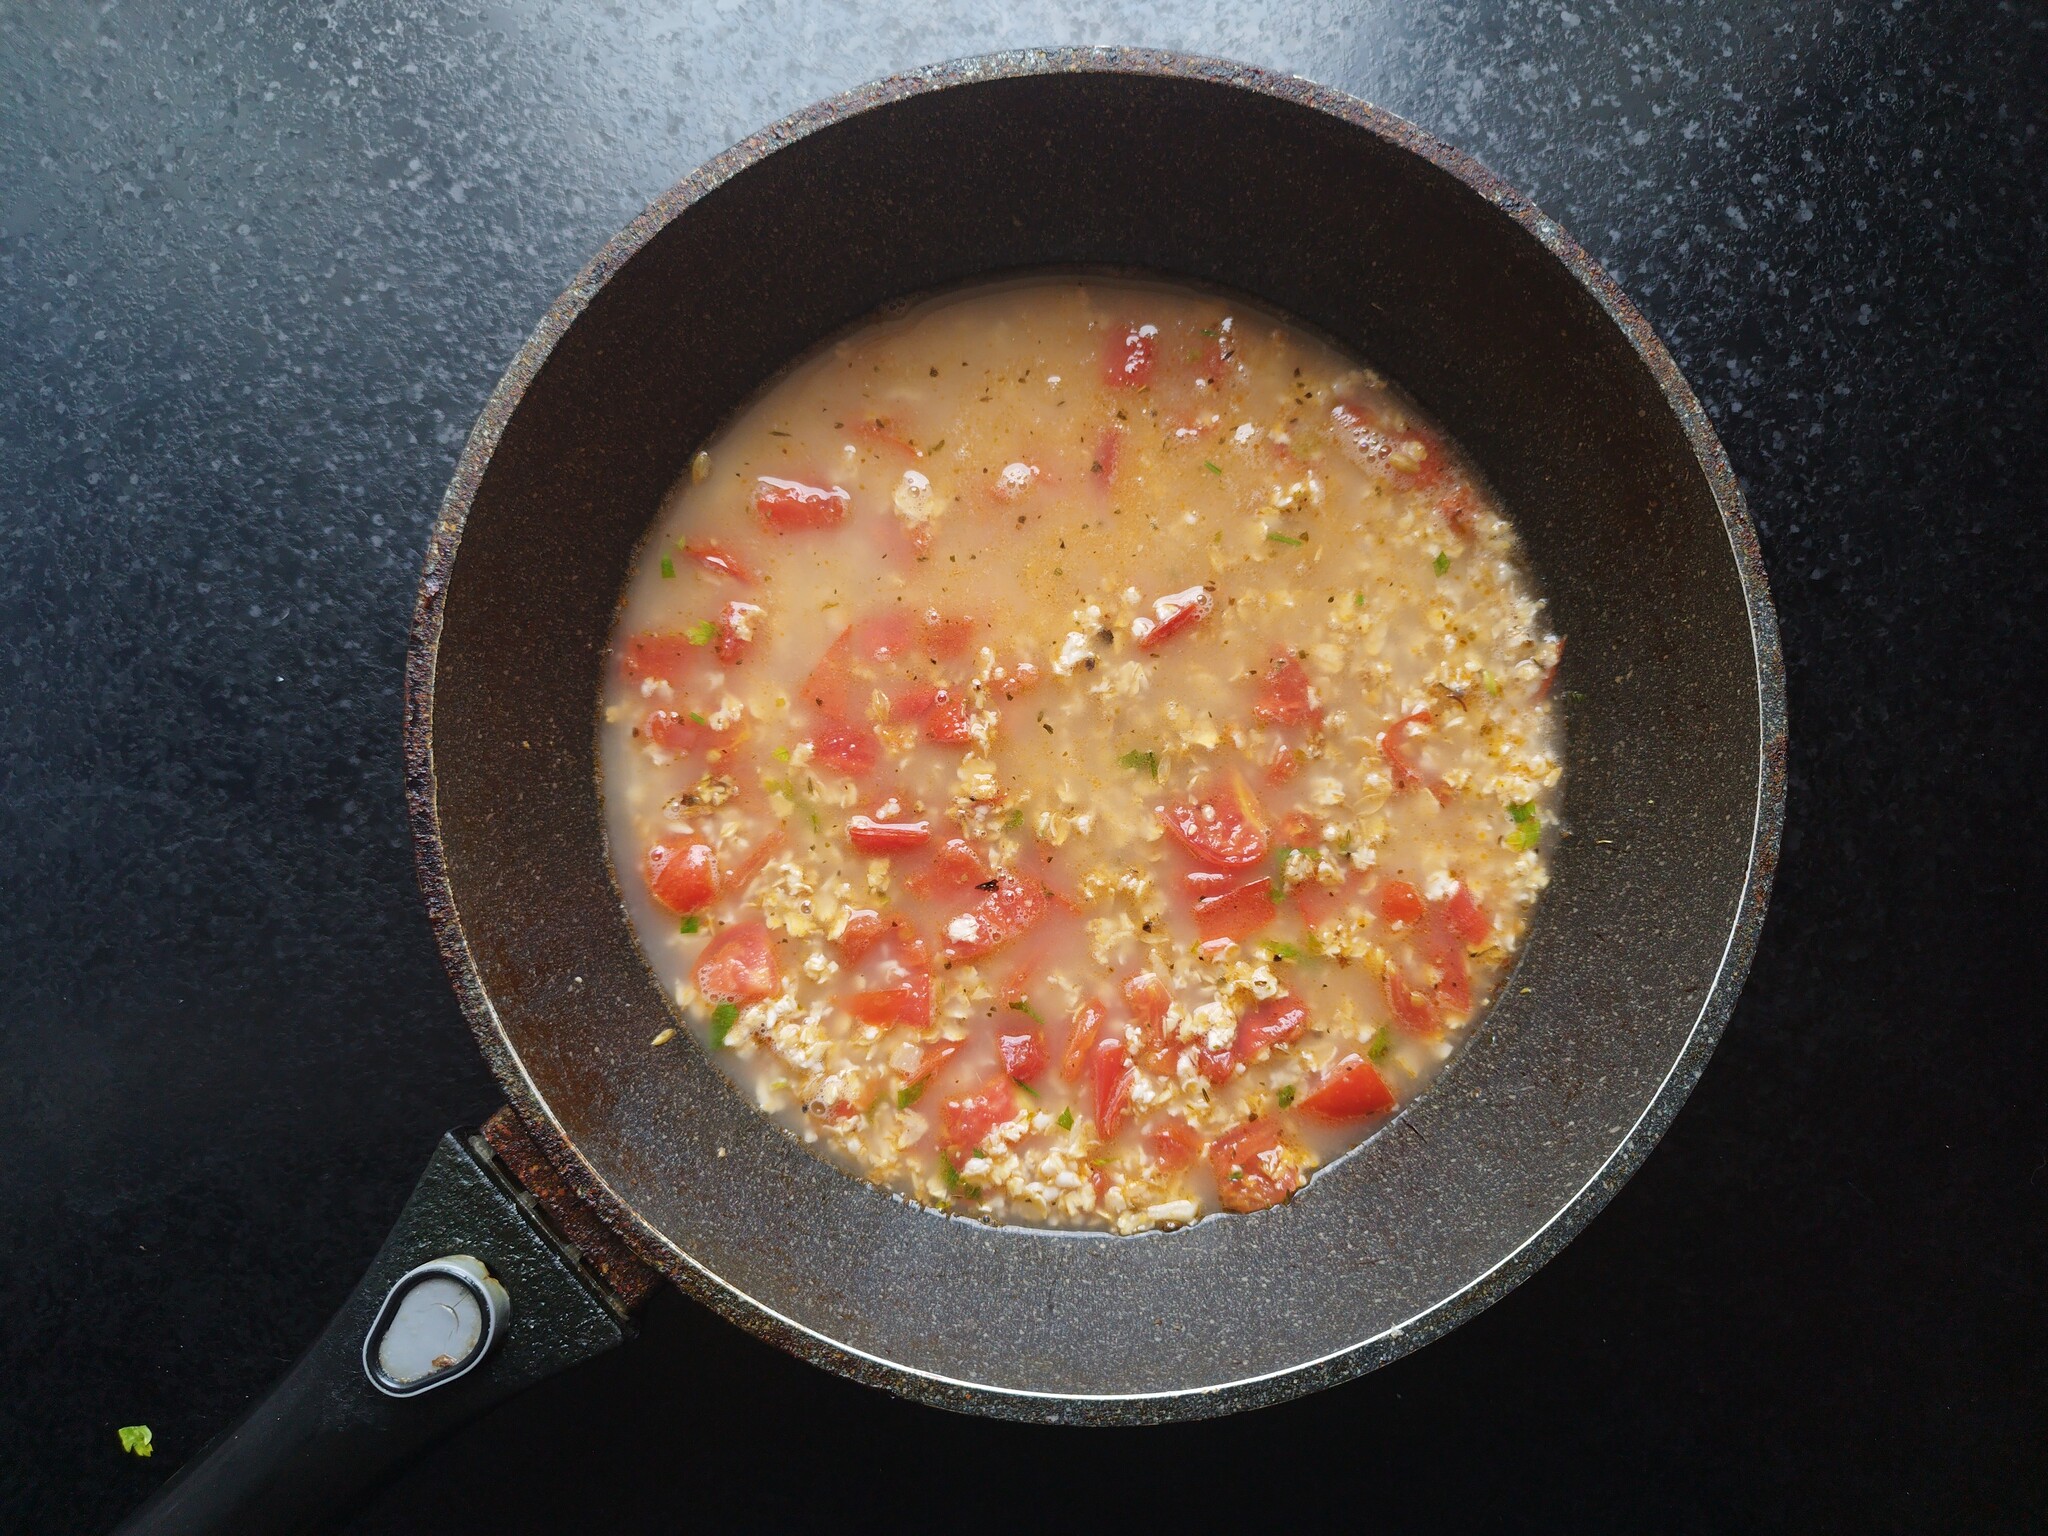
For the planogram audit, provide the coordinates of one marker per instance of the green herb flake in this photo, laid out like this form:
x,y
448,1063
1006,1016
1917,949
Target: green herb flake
x,y
1492,683
935,447
1286,1095
1528,830
1378,1046
1066,1119
723,1017
1211,467
1023,1005
905,1097
699,718
691,924
1209,330
972,1191
1358,599
952,1174
1024,1087
668,569
1144,762
780,754
1442,562
136,1439
702,633
1283,952
1283,538
1014,820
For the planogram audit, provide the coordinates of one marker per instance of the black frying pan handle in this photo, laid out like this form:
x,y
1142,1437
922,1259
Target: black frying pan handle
x,y
306,1454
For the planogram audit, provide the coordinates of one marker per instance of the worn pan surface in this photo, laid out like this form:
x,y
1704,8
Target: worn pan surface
x,y
1382,238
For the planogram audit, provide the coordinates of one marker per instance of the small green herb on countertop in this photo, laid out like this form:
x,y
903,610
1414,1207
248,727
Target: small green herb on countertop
x,y
136,1439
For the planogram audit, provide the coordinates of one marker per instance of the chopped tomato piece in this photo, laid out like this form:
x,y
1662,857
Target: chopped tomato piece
x,y
682,876
667,657
935,1055
1222,829
950,720
863,931
913,703
1216,1066
1464,918
1173,614
1351,1091
879,430
738,624
1550,677
1023,1053
958,863
790,505
968,1120
909,1004
714,557
1272,1021
1413,1011
1409,456
1316,902
1252,1167
871,836
1285,694
1000,916
677,733
1446,954
1148,999
1285,765
1022,678
1081,1035
849,749
1406,774
1400,902
886,636
944,637
738,966
1128,358
1110,1076
1457,509
1171,1143
1108,449
1236,914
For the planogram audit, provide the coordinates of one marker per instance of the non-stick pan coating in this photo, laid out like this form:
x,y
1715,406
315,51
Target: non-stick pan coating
x,y
1393,245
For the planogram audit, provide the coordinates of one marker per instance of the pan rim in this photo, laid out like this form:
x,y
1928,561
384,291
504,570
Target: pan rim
x,y
1179,1403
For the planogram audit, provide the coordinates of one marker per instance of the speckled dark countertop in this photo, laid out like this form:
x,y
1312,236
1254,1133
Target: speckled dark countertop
x,y
258,275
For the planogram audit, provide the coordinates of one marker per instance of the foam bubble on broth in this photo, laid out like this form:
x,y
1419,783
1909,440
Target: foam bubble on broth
x,y
1078,753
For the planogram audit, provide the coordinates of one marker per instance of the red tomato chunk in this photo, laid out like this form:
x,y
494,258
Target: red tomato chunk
x,y
871,836
1351,1091
1222,830
1285,695
682,877
968,1120
1110,1076
791,506
1252,1167
738,966
1023,1053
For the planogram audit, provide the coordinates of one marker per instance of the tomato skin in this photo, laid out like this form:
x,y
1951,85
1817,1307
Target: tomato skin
x,y
908,1004
945,638
966,1121
1251,1168
1221,830
871,836
958,863
863,931
676,733
1081,1036
1129,356
1285,695
935,1055
877,430
715,557
1023,1053
1171,1143
1108,449
1149,1001
791,506
1318,903
1111,1076
913,703
736,625
1400,902
1273,1021
1174,614
1413,1011
849,749
1022,678
1236,914
950,721
682,877
1000,916
1285,765
738,966
1366,435
741,875
1351,1091
1406,774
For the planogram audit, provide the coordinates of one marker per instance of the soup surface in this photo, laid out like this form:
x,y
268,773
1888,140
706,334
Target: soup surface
x,y
1077,753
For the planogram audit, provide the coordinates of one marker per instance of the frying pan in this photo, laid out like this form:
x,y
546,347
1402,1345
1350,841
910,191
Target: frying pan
x,y
616,1164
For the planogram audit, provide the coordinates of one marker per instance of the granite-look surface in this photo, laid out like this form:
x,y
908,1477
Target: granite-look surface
x,y
257,273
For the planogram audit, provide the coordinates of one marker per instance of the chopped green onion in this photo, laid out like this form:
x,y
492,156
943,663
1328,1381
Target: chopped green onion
x,y
1208,330
1066,1119
1492,684
723,1017
952,1173
136,1439
668,568
1528,830
1358,599
1283,538
699,718
691,924
702,633
1147,762
1378,1046
1023,1005
1287,1095
1014,820
905,1097
1025,1087
780,754
1442,562
1211,467
1283,951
